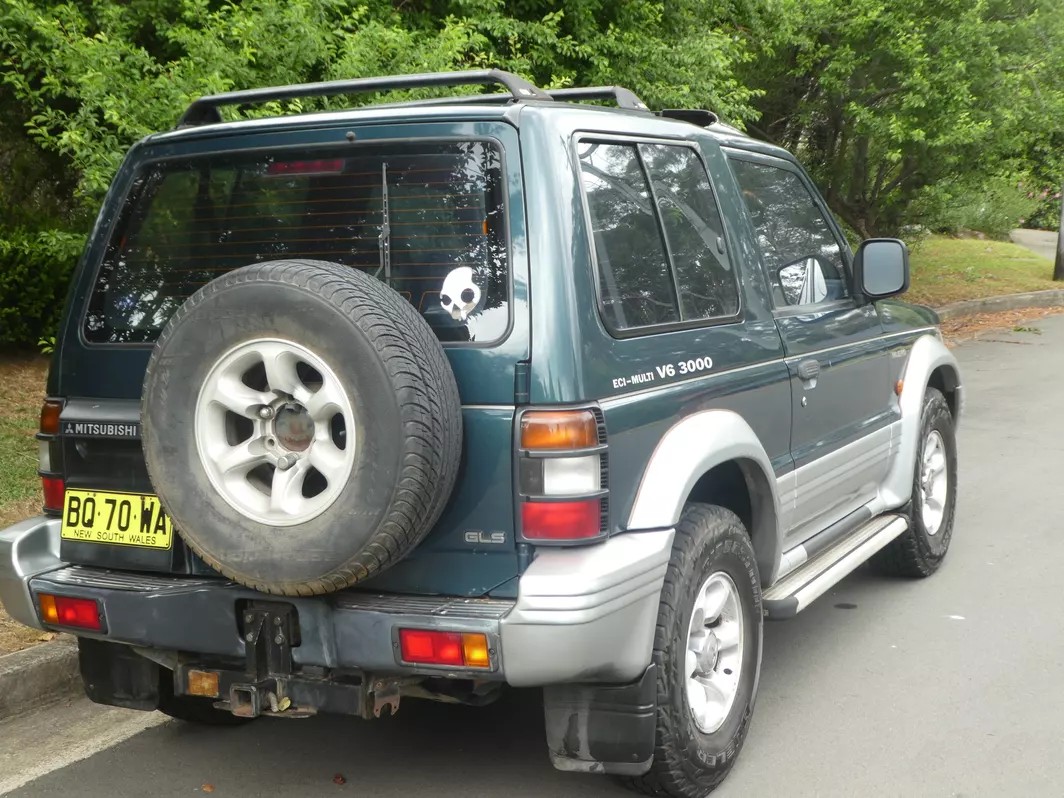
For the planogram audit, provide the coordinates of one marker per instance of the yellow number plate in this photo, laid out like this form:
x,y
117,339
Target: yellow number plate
x,y
123,519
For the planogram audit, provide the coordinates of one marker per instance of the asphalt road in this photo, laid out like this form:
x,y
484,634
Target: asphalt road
x,y
1040,242
952,686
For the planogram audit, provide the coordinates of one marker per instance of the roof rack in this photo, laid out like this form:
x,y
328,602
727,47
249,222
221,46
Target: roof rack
x,y
625,98
695,116
205,109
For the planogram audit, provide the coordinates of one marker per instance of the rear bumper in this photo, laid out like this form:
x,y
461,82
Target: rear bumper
x,y
582,615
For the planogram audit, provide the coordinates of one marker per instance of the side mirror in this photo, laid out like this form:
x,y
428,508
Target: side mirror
x,y
881,268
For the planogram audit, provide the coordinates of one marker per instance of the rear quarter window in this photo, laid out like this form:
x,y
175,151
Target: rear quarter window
x,y
429,219
657,236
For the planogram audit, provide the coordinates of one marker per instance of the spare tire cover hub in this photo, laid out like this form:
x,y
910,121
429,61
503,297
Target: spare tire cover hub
x,y
275,431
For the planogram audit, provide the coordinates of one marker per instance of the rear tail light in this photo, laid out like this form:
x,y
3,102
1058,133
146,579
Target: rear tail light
x,y
50,411
49,456
561,476
461,650
560,521
73,612
558,429
54,493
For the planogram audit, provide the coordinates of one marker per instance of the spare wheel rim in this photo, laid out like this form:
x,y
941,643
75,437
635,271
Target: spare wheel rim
x,y
275,432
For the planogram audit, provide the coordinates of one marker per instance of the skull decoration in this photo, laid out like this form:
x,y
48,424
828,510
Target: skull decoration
x,y
460,295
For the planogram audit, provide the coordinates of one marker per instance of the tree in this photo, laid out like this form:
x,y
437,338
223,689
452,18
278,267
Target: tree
x,y
1058,266
883,99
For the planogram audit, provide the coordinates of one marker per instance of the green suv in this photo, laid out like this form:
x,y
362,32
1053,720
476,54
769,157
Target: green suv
x,y
426,399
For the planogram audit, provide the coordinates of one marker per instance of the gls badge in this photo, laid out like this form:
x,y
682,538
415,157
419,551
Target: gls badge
x,y
475,536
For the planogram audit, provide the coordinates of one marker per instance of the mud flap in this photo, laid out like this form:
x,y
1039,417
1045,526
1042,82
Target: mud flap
x,y
115,675
600,728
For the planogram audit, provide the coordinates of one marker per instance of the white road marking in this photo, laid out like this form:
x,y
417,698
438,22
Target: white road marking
x,y
34,745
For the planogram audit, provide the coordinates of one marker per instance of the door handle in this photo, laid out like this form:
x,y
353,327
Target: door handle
x,y
808,370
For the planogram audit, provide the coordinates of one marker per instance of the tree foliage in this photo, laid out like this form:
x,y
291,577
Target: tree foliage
x,y
886,99
901,109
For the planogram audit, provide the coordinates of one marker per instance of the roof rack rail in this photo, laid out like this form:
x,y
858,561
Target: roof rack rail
x,y
625,98
696,116
205,109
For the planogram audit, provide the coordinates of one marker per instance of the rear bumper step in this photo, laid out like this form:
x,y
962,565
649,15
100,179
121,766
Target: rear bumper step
x,y
203,616
798,589
585,614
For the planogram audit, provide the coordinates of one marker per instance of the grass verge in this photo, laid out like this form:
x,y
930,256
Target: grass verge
x,y
21,392
946,270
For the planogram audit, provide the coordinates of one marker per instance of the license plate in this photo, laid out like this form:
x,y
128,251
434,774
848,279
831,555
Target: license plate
x,y
121,519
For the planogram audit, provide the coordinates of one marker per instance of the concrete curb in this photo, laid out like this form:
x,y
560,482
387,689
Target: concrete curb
x,y
37,676
992,304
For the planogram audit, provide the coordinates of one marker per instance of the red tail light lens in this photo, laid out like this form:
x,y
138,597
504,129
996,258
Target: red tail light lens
x,y
54,493
74,612
444,648
562,520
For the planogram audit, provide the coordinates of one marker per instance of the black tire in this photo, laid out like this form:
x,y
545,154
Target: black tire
x,y
917,553
687,762
407,417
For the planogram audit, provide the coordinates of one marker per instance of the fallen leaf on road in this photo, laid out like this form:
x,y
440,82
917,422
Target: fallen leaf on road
x,y
47,637
207,788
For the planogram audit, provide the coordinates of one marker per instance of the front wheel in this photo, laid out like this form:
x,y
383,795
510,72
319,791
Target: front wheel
x,y
708,654
921,550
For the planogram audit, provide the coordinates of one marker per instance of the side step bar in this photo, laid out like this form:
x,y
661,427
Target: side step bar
x,y
806,583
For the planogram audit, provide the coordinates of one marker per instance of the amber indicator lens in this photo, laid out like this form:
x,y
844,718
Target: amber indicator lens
x,y
558,429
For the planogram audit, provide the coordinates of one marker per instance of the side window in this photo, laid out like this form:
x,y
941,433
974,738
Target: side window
x,y
694,232
659,244
634,275
803,257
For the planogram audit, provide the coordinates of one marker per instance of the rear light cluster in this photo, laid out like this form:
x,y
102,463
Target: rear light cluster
x,y
458,649
562,476
76,613
49,456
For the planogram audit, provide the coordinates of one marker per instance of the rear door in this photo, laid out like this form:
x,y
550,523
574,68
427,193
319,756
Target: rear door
x,y
432,209
840,379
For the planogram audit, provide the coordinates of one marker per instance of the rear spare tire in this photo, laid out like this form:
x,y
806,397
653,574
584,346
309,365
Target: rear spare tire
x,y
301,425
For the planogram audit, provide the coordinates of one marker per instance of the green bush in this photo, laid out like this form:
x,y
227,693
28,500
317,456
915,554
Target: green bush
x,y
995,207
35,270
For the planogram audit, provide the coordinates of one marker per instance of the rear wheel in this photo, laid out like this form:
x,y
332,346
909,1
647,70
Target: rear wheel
x,y
708,654
921,550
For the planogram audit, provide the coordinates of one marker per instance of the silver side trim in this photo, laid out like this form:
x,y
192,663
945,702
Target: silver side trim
x,y
27,549
927,354
597,604
802,586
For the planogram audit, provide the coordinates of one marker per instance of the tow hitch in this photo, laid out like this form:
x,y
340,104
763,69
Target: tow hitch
x,y
271,684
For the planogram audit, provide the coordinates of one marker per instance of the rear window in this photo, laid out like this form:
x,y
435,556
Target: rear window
x,y
429,219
